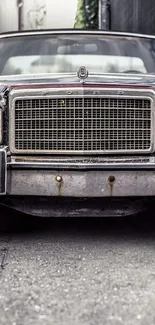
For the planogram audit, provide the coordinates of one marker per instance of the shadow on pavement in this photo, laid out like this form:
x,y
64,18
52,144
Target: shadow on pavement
x,y
135,226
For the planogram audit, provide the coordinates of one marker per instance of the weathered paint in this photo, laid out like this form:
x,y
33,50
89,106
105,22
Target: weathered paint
x,y
86,184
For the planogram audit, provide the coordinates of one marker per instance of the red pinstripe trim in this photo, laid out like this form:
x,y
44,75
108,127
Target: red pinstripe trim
x,y
78,86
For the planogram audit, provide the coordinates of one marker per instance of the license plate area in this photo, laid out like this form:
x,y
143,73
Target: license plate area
x,y
3,171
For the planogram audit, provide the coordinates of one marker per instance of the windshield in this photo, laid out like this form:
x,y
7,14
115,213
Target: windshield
x,y
40,54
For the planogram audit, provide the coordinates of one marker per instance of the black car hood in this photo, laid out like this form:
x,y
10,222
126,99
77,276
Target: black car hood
x,y
65,79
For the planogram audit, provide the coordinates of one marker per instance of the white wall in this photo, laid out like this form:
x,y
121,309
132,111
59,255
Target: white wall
x,y
8,15
38,14
59,13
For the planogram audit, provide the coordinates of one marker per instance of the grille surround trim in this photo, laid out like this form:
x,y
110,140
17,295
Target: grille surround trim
x,y
78,93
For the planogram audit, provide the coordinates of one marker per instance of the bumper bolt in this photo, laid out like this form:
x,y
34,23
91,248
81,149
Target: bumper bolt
x,y
59,179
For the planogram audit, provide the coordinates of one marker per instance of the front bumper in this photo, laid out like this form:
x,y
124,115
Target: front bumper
x,y
98,183
112,177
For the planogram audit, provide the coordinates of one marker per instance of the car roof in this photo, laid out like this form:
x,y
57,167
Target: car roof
x,y
71,32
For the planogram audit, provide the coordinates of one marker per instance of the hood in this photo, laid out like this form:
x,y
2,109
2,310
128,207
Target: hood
x,y
67,79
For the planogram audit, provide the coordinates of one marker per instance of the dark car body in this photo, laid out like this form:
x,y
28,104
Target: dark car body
x,y
77,122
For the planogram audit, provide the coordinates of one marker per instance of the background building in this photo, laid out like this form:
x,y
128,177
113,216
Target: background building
x,y
37,14
121,15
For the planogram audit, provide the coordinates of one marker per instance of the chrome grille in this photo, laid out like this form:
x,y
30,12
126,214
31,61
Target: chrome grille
x,y
90,125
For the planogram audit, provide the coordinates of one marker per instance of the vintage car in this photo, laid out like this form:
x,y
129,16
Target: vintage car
x,y
77,122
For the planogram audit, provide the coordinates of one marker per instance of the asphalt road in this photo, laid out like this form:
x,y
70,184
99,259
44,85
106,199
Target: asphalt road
x,y
83,271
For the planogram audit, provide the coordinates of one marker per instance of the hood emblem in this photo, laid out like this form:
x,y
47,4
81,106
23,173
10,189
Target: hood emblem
x,y
82,73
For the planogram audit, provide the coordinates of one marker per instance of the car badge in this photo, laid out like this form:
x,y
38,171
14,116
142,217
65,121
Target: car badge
x,y
82,74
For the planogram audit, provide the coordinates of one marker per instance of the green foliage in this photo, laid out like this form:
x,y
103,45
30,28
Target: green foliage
x,y
92,14
87,16
80,16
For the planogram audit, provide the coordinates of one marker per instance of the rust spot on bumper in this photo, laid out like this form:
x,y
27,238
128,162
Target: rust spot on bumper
x,y
111,182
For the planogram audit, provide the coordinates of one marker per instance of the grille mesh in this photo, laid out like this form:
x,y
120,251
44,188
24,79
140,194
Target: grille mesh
x,y
82,124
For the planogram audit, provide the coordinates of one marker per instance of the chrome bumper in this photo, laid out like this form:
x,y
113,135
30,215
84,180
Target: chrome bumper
x,y
116,183
126,177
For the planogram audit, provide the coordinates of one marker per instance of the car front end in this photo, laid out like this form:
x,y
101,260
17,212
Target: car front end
x,y
78,143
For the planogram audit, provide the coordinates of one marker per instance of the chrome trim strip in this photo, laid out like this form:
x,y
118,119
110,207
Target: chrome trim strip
x,y
73,31
4,150
80,166
87,90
